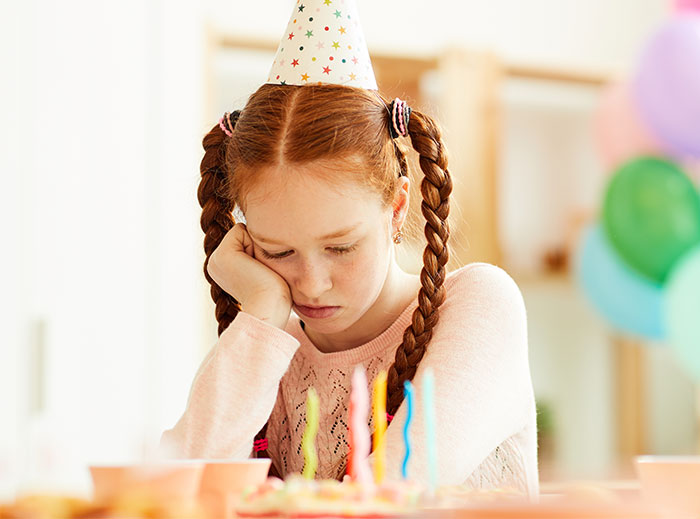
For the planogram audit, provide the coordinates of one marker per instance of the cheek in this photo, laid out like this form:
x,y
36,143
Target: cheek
x,y
363,273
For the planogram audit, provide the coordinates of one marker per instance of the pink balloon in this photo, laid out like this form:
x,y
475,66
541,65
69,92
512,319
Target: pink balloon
x,y
687,5
620,133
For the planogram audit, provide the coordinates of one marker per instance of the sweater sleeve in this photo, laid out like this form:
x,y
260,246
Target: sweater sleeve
x,y
483,390
233,392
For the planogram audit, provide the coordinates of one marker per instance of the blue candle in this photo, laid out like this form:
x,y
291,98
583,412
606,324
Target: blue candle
x,y
408,393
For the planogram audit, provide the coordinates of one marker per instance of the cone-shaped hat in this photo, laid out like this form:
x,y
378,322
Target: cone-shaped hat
x,y
323,43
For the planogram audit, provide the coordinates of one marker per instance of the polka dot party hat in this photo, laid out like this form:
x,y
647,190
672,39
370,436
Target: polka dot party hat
x,y
323,43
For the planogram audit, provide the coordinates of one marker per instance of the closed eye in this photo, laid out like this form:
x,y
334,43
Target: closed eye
x,y
343,250
335,250
275,256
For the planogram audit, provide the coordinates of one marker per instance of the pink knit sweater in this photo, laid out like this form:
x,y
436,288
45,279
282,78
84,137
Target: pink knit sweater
x,y
485,406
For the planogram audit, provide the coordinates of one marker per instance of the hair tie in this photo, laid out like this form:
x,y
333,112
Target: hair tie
x,y
260,445
400,114
225,124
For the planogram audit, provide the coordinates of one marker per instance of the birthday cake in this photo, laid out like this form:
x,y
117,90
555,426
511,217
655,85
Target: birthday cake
x,y
301,498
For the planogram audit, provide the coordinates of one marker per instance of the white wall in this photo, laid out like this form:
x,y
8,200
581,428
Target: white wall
x,y
13,298
104,127
588,34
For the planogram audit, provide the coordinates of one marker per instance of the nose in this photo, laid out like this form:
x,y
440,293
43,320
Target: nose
x,y
312,281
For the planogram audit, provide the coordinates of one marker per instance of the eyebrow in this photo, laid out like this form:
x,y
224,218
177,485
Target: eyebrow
x,y
337,234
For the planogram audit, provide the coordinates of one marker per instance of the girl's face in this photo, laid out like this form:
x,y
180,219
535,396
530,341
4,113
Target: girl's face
x,y
330,242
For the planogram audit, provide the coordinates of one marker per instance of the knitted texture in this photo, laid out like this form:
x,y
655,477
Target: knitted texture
x,y
485,407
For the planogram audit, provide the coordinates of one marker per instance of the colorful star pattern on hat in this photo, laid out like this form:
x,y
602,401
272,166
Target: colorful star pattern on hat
x,y
323,43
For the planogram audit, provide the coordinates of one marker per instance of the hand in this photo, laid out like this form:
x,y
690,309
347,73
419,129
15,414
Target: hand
x,y
261,291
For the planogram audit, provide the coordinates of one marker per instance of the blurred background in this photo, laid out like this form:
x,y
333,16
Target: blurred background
x,y
105,310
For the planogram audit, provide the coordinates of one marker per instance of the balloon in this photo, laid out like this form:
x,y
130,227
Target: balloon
x,y
692,168
667,83
628,301
651,215
682,311
619,130
687,5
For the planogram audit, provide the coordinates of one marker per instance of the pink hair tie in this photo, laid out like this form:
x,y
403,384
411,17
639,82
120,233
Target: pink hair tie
x,y
400,113
226,127
402,128
260,445
394,104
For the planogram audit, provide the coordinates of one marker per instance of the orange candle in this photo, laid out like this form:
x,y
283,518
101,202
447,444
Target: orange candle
x,y
379,414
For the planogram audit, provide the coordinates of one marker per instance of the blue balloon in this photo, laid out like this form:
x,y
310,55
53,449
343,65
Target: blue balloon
x,y
628,301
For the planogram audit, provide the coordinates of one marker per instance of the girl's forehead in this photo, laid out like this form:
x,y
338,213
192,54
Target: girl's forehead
x,y
310,207
313,185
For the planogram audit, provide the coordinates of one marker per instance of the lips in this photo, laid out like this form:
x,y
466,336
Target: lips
x,y
316,312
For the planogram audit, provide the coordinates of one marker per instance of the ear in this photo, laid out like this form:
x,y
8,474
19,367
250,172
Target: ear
x,y
400,203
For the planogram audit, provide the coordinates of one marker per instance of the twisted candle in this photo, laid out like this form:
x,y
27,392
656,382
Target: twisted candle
x,y
408,394
308,440
359,432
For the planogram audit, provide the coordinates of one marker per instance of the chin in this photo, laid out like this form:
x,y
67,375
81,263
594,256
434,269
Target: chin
x,y
337,324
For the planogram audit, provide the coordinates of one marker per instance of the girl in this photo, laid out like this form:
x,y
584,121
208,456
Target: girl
x,y
309,287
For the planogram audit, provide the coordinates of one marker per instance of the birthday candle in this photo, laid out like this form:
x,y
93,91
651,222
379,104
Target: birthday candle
x,y
359,432
379,411
308,440
408,393
429,411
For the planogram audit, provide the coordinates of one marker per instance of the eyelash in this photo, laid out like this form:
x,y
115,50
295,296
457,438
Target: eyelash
x,y
336,250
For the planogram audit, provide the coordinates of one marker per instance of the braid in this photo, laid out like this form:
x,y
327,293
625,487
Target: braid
x,y
436,188
216,221
216,218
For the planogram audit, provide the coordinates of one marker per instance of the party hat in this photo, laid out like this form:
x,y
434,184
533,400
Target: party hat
x,y
323,43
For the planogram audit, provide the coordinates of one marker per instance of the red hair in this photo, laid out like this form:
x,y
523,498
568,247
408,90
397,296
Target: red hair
x,y
283,124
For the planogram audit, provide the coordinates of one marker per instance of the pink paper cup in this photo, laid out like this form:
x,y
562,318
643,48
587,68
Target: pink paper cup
x,y
670,484
173,480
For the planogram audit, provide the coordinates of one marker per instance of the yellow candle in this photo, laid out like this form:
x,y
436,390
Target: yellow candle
x,y
379,414
308,440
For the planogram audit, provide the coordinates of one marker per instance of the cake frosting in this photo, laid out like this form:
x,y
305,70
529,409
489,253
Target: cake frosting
x,y
297,497
300,498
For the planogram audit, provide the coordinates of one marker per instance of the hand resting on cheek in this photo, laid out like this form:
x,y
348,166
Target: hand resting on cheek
x,y
261,292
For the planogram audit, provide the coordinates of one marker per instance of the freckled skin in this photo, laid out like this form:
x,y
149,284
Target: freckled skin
x,y
296,208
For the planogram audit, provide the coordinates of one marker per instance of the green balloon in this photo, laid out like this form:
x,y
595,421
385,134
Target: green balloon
x,y
651,214
682,312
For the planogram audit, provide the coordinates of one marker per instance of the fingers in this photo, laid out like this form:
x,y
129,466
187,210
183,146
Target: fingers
x,y
246,240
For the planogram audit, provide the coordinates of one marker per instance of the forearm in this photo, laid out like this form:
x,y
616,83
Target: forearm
x,y
233,392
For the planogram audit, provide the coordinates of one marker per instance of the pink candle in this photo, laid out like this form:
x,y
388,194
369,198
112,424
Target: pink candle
x,y
359,432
